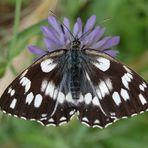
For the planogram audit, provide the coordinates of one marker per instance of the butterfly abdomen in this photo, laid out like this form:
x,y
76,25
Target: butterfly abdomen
x,y
75,71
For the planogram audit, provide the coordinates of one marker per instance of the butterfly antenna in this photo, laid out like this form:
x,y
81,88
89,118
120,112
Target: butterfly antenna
x,y
105,20
63,24
84,34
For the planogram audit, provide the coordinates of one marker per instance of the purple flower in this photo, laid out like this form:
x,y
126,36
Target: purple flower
x,y
57,37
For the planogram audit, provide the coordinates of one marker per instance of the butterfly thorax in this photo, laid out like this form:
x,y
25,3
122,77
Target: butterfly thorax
x,y
75,73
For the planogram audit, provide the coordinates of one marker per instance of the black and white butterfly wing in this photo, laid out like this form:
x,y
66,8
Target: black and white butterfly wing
x,y
90,110
38,93
110,90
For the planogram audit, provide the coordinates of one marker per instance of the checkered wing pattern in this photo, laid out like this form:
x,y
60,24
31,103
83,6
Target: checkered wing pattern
x,y
110,90
36,94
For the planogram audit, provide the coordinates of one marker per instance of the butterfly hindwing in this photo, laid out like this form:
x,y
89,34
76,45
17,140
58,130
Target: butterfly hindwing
x,y
36,94
90,111
118,91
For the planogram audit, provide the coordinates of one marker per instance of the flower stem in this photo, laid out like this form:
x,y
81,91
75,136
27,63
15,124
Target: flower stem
x,y
15,29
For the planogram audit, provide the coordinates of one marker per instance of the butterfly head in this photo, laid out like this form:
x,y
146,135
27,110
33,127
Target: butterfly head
x,y
75,44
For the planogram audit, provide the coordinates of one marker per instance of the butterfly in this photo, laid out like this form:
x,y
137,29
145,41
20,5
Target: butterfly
x,y
68,81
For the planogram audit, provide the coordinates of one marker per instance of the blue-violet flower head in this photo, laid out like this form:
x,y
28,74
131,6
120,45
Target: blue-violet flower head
x,y
57,37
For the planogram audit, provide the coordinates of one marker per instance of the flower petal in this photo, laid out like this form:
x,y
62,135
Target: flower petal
x,y
36,50
100,43
77,30
54,23
98,33
50,44
90,23
110,43
112,53
94,36
79,21
66,30
62,39
50,33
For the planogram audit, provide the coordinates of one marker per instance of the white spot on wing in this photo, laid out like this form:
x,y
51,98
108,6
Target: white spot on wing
x,y
51,124
47,65
85,119
62,118
104,64
141,87
81,99
133,114
12,92
88,98
38,100
29,98
50,89
13,103
9,90
43,118
144,85
44,85
103,89
40,122
98,126
95,101
142,99
107,125
112,113
71,112
126,78
26,83
63,122
125,82
61,98
51,120
23,118
124,94
96,121
69,98
116,98
109,84
83,122
43,115
130,75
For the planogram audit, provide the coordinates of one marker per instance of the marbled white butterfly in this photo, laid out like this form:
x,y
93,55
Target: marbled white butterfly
x,y
76,79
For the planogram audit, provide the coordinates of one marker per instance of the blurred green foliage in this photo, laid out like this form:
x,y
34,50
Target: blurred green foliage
x,y
130,21
12,2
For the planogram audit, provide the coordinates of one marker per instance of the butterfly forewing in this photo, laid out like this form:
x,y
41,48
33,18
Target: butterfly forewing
x,y
118,92
36,94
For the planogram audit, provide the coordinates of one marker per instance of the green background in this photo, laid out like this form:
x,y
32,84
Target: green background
x,y
129,20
